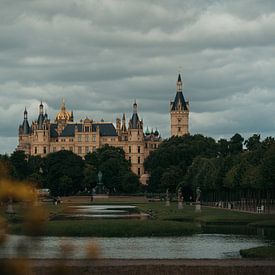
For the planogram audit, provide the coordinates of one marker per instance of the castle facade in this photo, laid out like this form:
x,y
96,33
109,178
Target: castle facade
x,y
44,136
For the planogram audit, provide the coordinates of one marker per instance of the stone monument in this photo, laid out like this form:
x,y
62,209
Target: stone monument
x,y
180,199
198,200
167,197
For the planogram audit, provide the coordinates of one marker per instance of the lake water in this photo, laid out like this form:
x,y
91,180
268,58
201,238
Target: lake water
x,y
215,246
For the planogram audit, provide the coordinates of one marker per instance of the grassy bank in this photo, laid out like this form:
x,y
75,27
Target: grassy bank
x,y
114,228
166,221
267,252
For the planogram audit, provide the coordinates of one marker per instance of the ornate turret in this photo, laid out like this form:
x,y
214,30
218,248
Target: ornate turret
x,y
179,112
123,126
134,122
25,127
41,116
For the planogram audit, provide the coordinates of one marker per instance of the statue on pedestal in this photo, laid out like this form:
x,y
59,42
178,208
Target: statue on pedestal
x,y
198,200
167,197
180,198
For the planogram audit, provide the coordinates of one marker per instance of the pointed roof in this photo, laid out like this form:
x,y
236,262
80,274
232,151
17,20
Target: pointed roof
x,y
179,102
25,127
134,122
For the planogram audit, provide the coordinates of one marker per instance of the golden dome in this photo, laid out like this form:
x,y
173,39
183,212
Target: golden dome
x,y
64,115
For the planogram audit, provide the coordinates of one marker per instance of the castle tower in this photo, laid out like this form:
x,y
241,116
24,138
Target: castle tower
x,y
24,135
40,137
135,150
179,112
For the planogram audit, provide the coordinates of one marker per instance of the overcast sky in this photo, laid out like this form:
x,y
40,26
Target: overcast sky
x,y
101,55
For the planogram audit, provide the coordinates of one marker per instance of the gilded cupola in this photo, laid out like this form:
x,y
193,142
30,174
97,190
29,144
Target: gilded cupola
x,y
64,115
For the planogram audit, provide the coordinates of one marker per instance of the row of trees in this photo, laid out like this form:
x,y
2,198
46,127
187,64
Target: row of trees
x,y
65,173
226,165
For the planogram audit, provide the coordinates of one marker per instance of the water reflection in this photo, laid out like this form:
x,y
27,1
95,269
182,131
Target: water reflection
x,y
218,246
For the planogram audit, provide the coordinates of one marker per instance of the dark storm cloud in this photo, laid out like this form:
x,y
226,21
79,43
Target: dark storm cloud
x,y
101,55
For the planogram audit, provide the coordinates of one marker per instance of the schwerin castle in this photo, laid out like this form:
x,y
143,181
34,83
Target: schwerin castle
x,y
44,136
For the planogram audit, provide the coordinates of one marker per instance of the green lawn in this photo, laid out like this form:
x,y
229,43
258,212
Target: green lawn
x,y
267,252
166,221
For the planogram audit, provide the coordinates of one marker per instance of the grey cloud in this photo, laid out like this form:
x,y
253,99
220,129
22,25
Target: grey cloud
x,y
101,55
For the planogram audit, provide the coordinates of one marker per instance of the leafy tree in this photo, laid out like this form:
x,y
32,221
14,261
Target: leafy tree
x,y
236,144
65,173
20,166
116,172
170,179
268,168
223,147
253,142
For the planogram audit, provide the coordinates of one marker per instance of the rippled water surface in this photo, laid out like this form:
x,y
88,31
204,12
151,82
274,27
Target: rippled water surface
x,y
198,246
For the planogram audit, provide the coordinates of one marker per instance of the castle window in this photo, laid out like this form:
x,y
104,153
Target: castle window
x,y
155,146
139,171
79,138
130,159
87,128
94,148
146,145
94,138
44,150
130,150
87,149
138,149
79,150
179,129
138,159
71,148
35,150
87,138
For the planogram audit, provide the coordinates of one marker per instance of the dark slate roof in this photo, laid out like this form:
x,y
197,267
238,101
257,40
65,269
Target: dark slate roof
x,y
179,98
40,120
106,129
179,78
53,132
69,130
26,127
134,121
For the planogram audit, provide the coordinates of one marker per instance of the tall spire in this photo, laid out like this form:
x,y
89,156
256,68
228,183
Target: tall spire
x,y
123,126
135,107
63,107
25,114
179,84
41,108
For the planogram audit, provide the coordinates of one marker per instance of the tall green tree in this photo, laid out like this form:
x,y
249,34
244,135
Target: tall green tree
x,y
19,162
116,170
64,172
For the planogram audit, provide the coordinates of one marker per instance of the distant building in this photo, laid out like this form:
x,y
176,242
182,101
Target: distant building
x,y
179,112
44,136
